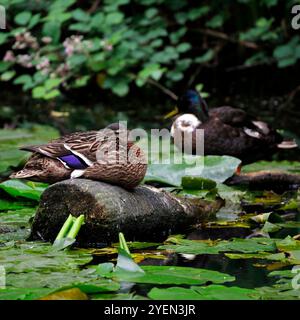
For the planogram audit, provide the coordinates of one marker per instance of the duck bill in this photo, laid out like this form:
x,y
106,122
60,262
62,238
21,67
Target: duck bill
x,y
172,113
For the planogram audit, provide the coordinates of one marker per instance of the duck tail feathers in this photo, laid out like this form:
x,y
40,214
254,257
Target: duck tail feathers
x,y
287,144
30,148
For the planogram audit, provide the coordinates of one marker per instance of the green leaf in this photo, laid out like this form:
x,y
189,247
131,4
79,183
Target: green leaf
x,y
283,52
34,20
270,227
126,263
11,140
286,62
82,27
4,65
81,15
23,18
19,212
52,83
215,22
121,89
206,57
77,60
285,165
8,75
169,275
38,92
212,292
18,188
114,18
198,12
3,37
25,80
197,183
52,94
252,245
217,168
52,29
24,293
151,12
183,47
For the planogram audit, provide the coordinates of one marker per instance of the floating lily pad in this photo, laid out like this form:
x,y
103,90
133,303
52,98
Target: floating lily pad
x,y
290,166
17,217
217,168
212,292
13,205
23,293
197,183
169,275
11,140
214,247
17,188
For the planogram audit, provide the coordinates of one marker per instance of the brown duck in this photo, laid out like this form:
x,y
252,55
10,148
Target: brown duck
x,y
104,155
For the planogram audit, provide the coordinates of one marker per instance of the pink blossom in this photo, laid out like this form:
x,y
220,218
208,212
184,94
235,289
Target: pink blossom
x,y
25,60
47,40
106,45
9,56
44,63
73,44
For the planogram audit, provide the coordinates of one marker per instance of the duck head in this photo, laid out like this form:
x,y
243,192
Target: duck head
x,y
191,102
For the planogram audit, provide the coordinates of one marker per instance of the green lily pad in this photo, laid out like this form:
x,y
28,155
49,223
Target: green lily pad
x,y
169,275
217,168
23,293
17,217
39,257
211,292
17,188
11,140
197,183
270,227
289,166
214,247
261,255
13,205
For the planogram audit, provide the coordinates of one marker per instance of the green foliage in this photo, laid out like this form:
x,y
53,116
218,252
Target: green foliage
x,y
127,270
217,168
11,140
17,188
53,46
212,292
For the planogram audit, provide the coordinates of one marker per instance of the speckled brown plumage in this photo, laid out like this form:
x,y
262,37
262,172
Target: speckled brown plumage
x,y
111,158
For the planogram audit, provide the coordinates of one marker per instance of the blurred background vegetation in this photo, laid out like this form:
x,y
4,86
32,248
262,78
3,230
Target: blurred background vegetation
x,y
79,65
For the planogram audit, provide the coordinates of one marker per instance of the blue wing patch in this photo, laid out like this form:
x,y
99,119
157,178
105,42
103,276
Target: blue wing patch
x,y
73,162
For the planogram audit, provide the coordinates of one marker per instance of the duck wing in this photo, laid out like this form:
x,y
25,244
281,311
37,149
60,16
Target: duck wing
x,y
221,138
76,150
238,118
231,116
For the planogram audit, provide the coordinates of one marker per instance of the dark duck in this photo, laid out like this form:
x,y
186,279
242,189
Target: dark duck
x,y
227,130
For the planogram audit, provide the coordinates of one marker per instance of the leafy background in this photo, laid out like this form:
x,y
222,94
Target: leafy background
x,y
75,65
79,57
